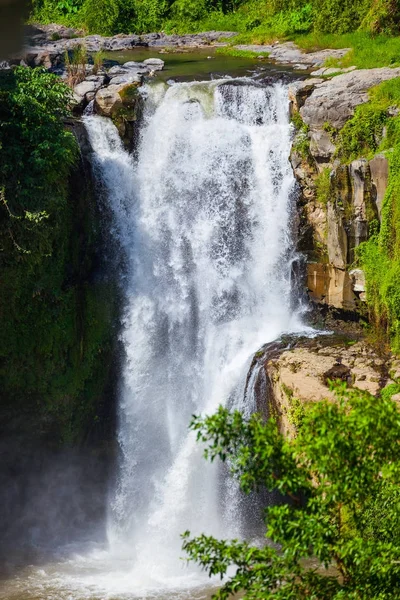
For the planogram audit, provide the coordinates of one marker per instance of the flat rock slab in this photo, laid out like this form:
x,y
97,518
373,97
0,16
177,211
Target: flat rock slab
x,y
289,53
335,100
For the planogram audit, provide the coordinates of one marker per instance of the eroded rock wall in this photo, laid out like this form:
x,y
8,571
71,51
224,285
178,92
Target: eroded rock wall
x,y
339,202
298,371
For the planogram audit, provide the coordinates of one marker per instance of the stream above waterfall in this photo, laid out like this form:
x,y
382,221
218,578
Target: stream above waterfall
x,y
201,64
202,220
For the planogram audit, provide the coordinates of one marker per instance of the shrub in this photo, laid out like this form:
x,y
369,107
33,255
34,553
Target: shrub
x,y
338,482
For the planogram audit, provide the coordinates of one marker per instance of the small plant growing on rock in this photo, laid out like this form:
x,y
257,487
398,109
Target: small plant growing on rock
x,y
97,62
323,186
76,65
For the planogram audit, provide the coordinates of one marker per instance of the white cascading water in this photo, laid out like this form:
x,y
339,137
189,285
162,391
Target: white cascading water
x,y
203,219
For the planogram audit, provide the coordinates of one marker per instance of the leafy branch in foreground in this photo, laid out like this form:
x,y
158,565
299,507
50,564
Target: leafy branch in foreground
x,y
337,526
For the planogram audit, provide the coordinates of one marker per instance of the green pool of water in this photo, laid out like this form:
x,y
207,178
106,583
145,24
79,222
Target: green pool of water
x,y
200,64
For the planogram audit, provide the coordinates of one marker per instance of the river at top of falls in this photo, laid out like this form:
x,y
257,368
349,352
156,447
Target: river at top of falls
x,y
202,219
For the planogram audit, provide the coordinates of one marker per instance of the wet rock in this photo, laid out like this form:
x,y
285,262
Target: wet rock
x,y
90,96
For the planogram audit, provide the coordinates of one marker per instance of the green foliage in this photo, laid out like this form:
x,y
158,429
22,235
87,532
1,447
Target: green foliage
x,y
383,17
228,51
55,326
339,16
323,186
339,480
101,16
367,51
69,7
257,21
301,142
361,135
380,258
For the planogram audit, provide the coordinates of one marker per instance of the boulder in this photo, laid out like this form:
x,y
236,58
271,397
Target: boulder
x,y
155,64
335,100
101,79
299,374
128,65
359,283
107,101
321,146
86,86
299,92
127,78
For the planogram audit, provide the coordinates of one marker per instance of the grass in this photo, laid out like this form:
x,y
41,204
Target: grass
x,y
75,63
230,51
366,52
323,186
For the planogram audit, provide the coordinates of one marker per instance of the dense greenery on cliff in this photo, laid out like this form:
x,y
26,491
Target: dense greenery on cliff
x,y
337,526
54,322
259,18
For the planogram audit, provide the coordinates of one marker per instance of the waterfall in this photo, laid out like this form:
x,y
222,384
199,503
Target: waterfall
x,y
202,218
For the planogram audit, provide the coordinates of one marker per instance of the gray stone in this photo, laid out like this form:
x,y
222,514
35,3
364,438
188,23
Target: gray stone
x,y
289,53
156,64
321,145
359,283
86,86
107,101
379,167
318,72
335,100
131,65
134,77
300,90
97,78
333,71
90,96
337,238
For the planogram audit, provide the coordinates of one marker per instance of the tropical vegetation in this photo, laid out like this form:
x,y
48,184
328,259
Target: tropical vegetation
x,y
255,18
53,323
334,534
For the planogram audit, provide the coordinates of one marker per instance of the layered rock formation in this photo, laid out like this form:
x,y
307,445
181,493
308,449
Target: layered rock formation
x,y
298,370
337,218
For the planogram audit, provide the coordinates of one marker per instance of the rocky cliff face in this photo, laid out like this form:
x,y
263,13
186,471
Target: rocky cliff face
x,y
339,202
298,370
